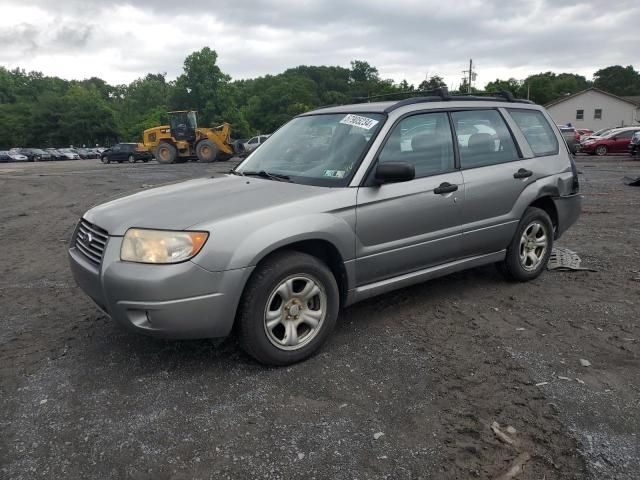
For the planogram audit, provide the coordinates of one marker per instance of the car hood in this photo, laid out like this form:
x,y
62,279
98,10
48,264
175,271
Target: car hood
x,y
182,205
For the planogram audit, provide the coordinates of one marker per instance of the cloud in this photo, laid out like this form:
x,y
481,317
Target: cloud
x,y
120,41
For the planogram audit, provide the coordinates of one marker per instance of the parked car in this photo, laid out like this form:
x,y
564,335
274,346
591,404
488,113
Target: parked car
x,y
255,142
274,250
24,152
131,152
16,156
4,157
634,145
596,134
571,136
616,141
69,154
56,155
584,132
39,155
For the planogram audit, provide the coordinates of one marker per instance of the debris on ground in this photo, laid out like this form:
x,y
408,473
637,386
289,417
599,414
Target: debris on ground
x,y
503,437
563,259
585,363
377,435
517,467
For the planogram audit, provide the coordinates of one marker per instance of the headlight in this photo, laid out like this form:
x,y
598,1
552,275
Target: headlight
x,y
160,246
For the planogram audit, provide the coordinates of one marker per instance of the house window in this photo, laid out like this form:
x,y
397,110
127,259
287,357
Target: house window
x,y
579,114
597,114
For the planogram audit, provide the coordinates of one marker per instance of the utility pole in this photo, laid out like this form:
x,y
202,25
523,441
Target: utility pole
x,y
471,75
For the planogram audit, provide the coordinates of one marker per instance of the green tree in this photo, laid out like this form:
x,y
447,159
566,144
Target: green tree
x,y
618,80
432,83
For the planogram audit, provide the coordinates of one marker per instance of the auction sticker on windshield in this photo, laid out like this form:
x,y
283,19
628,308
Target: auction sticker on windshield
x,y
359,121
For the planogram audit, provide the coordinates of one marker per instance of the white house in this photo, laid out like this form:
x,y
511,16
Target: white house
x,y
595,109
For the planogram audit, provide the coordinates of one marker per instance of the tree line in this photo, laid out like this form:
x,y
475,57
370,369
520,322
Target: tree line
x,y
37,110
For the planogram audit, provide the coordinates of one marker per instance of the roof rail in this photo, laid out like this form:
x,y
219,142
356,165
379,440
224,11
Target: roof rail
x,y
443,95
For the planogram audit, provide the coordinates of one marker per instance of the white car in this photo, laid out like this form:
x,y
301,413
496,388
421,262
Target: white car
x,y
255,142
70,154
15,156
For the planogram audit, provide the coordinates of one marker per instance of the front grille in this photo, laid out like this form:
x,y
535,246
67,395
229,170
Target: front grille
x,y
91,240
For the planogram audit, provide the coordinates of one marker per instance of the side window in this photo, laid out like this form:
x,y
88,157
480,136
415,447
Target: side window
x,y
253,141
424,140
536,129
624,135
263,139
483,138
116,148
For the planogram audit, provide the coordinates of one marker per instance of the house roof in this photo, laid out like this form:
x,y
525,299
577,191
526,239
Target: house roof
x,y
632,100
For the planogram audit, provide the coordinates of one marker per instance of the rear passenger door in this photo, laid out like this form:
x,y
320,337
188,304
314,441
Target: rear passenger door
x,y
407,226
491,170
621,142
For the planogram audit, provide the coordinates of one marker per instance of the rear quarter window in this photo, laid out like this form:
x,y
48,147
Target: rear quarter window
x,y
536,130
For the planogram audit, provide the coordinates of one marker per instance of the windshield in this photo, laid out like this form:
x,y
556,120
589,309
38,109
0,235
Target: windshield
x,y
318,149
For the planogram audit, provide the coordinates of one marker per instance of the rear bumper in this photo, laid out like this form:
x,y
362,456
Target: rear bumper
x,y
172,301
568,209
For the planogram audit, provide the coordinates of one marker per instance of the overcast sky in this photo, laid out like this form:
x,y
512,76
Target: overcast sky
x,y
120,41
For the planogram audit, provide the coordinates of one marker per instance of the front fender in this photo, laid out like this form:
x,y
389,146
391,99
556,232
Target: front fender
x,y
252,246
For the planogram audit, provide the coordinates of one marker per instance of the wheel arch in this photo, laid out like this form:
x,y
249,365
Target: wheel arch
x,y
546,203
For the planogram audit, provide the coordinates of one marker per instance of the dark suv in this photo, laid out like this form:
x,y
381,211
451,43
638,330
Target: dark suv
x,y
131,152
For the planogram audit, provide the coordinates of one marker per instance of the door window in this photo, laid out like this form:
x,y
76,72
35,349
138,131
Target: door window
x,y
536,129
423,140
253,141
483,138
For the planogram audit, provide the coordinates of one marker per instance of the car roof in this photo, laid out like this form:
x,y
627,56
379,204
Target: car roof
x,y
438,98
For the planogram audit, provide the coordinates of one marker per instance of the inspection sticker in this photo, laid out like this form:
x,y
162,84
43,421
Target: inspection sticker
x,y
359,121
334,173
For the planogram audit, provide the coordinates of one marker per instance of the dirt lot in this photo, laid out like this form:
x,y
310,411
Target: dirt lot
x,y
429,367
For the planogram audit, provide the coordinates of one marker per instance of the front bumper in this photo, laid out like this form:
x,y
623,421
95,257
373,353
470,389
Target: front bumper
x,y
173,301
568,209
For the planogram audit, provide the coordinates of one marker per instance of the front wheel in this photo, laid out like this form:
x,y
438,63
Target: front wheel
x,y
529,250
105,160
132,159
288,309
601,150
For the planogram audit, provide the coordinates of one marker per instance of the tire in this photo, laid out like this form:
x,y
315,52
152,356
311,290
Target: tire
x,y
601,150
132,159
105,160
519,264
206,151
273,292
166,153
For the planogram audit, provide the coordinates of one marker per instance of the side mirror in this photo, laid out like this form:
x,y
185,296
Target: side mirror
x,y
391,172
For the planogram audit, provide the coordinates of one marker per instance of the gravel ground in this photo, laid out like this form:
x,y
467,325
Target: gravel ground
x,y
408,386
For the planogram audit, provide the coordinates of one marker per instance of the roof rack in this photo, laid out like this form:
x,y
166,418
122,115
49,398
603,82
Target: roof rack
x,y
442,95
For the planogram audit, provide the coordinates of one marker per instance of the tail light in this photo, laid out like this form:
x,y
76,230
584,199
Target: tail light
x,y
575,185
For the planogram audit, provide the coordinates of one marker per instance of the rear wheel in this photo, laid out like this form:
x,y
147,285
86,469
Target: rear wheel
x,y
105,159
288,309
132,159
166,153
529,250
602,150
207,151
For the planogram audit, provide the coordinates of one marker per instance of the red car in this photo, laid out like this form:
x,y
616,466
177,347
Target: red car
x,y
584,132
616,141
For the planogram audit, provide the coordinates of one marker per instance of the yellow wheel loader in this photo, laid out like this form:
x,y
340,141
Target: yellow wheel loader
x,y
182,140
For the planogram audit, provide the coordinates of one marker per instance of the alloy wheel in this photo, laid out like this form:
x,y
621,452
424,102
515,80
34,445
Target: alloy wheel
x,y
533,246
295,312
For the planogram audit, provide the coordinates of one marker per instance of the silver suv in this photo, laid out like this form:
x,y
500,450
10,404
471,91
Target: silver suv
x,y
341,204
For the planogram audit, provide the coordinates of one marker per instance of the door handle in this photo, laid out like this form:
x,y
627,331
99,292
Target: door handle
x,y
523,173
445,187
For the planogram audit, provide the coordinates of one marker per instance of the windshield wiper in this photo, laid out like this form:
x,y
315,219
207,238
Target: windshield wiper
x,y
270,176
236,172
